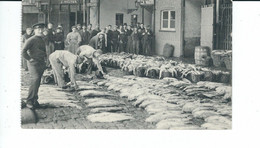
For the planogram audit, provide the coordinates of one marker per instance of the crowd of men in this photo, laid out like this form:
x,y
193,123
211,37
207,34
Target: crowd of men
x,y
124,38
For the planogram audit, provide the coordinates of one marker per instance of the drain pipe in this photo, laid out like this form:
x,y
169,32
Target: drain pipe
x,y
154,14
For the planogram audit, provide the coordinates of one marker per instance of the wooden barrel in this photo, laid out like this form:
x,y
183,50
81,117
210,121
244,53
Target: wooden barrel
x,y
168,50
201,56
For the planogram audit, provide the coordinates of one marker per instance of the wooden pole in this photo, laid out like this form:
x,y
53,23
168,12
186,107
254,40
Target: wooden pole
x,y
84,12
98,12
88,13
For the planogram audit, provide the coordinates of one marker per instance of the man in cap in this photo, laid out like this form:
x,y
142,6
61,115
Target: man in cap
x,y
58,39
34,51
78,27
73,40
84,35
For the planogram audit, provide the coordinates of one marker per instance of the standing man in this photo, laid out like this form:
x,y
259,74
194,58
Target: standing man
x,y
129,39
147,41
25,37
36,57
94,32
58,39
73,40
115,39
136,41
84,35
109,37
50,38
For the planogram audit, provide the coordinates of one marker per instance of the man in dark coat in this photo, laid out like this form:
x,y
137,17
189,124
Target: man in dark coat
x,y
98,42
95,32
129,39
59,39
84,35
114,39
34,51
147,37
109,38
123,38
136,41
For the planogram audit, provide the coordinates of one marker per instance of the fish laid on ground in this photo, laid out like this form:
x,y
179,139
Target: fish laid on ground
x,y
59,103
94,93
109,117
104,103
172,123
216,126
210,85
87,87
189,107
96,99
204,114
106,109
165,115
218,119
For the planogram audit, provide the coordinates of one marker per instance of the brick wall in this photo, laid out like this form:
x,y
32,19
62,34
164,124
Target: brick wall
x,y
172,37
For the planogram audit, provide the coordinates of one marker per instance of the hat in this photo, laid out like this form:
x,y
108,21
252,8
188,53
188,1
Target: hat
x,y
73,27
59,27
125,24
38,25
45,29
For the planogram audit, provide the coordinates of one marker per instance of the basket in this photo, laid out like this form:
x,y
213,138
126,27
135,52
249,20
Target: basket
x,y
217,57
208,76
225,77
152,73
196,77
228,61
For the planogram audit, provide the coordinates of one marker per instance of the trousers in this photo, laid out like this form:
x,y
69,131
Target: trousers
x,y
57,71
36,70
49,51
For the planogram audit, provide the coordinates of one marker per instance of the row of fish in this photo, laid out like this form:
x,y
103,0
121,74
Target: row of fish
x,y
159,67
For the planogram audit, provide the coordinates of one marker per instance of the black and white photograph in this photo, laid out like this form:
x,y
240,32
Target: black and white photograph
x,y
126,64
129,73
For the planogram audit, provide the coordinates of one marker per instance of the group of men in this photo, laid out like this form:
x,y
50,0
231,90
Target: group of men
x,y
135,39
36,51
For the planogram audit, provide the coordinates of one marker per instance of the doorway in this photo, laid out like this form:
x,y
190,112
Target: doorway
x,y
72,19
119,19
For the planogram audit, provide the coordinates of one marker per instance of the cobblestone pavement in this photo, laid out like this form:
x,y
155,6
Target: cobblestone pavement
x,y
129,102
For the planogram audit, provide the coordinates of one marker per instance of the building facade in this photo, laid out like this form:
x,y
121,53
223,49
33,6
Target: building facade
x,y
184,24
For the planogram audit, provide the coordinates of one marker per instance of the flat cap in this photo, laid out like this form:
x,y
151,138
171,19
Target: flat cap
x,y
73,27
38,25
59,27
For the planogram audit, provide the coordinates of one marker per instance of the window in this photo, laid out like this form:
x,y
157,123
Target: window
x,y
119,19
168,20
